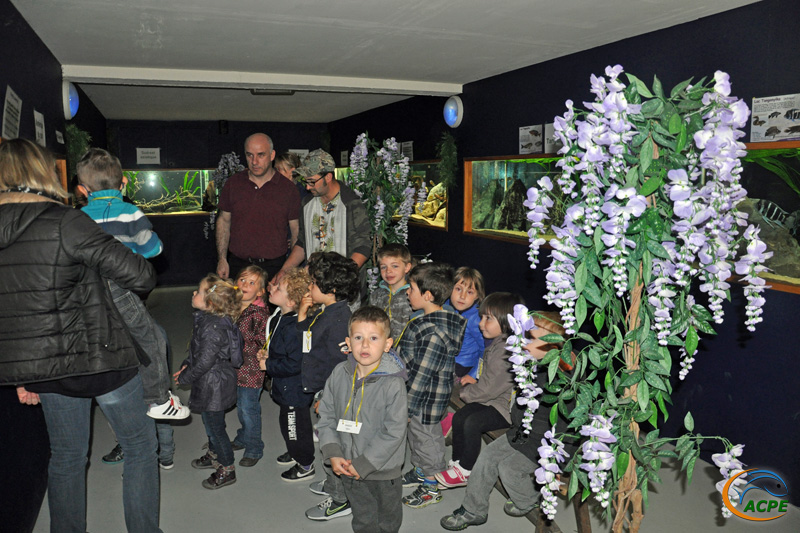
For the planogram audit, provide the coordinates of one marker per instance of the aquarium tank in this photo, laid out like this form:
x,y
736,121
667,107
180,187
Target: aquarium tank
x,y
499,188
157,191
433,211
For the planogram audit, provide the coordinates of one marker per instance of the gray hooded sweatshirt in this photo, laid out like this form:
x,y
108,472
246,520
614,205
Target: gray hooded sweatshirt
x,y
378,450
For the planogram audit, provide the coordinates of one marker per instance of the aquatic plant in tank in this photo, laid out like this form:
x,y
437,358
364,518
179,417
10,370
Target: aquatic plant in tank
x,y
167,191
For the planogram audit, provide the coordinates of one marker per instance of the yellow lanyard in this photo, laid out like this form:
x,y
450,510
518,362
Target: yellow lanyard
x,y
388,308
104,198
397,341
315,319
353,392
269,333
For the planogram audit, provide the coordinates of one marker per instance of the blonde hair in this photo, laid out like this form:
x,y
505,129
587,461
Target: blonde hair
x,y
223,298
297,282
99,170
254,270
26,164
471,277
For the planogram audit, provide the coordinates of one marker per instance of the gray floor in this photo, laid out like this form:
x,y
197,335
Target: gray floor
x,y
261,501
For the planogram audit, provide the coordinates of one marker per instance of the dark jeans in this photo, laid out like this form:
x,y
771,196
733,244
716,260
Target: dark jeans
x,y
218,441
377,505
297,431
271,266
248,408
469,423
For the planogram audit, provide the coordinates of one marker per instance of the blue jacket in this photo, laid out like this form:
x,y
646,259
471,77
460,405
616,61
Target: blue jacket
x,y
473,345
285,360
327,335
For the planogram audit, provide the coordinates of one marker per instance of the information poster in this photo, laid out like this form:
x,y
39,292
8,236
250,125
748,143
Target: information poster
x,y
531,140
12,111
38,120
344,158
775,118
552,144
148,156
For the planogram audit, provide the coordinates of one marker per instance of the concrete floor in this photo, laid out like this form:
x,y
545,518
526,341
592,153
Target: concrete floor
x,y
261,501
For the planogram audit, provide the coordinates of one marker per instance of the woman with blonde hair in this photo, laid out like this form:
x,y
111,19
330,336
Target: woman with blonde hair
x,y
62,341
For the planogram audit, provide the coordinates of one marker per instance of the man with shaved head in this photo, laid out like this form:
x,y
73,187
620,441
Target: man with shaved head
x,y
255,209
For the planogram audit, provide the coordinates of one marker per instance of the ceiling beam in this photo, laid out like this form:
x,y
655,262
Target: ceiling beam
x,y
157,77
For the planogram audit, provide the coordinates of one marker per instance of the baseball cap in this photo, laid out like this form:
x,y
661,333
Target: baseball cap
x,y
316,162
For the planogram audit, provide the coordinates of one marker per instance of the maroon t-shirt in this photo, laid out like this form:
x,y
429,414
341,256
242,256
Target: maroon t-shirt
x,y
259,216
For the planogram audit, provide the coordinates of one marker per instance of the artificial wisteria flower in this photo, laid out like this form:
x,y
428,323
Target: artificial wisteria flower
x,y
729,465
597,456
749,266
539,202
523,363
551,453
686,362
373,278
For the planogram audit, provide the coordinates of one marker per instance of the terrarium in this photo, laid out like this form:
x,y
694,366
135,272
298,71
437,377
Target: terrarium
x,y
495,190
158,191
433,211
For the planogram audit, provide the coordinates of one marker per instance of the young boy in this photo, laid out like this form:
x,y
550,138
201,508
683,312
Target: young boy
x,y
334,283
363,419
282,359
512,458
101,181
428,347
395,262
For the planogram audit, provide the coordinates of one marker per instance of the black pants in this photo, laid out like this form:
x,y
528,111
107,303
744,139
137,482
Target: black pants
x,y
377,505
469,423
270,266
296,428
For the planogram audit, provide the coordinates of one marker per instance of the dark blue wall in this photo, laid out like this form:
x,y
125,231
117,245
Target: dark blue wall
x,y
742,386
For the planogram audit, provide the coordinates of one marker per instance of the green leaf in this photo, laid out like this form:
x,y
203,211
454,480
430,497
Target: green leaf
x,y
643,395
680,87
646,154
622,463
658,90
657,250
663,141
705,327
651,185
652,108
552,338
573,487
691,341
680,144
656,367
653,417
632,177
683,442
553,414
599,321
688,422
654,381
586,337
667,453
580,311
641,88
593,294
645,494
552,369
617,342
675,123
581,274
632,379
690,467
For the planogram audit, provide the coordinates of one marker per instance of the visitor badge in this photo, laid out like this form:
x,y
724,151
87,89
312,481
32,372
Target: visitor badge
x,y
306,341
349,426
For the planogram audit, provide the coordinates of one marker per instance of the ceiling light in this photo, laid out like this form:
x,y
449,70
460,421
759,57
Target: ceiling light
x,y
271,92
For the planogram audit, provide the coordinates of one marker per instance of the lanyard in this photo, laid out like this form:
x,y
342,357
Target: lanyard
x,y
353,393
315,319
271,330
397,341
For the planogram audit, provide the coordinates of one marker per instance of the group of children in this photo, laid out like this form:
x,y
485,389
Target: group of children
x,y
379,377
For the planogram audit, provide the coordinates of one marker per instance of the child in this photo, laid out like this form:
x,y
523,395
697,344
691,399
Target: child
x,y
215,353
101,181
488,398
282,359
514,458
395,262
334,283
251,323
428,347
468,292
363,419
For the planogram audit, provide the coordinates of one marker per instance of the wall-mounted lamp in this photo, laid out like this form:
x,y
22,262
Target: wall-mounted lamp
x,y
453,111
69,97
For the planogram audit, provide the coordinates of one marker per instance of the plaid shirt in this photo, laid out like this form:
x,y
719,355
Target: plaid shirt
x,y
428,348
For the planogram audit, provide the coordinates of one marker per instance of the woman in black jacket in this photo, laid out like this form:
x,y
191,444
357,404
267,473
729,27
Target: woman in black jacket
x,y
62,341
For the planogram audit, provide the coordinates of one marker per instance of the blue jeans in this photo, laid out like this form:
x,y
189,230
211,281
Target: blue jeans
x,y
218,441
248,407
166,442
150,337
68,423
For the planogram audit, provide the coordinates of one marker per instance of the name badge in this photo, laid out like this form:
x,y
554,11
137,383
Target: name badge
x,y
306,341
349,426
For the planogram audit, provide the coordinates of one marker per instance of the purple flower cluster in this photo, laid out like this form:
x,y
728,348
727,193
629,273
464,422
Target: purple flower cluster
x,y
749,266
377,218
551,452
729,465
523,363
597,456
539,202
373,278
358,164
614,228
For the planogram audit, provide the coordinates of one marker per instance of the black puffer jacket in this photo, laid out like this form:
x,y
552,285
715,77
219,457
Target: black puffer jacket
x,y
57,318
214,355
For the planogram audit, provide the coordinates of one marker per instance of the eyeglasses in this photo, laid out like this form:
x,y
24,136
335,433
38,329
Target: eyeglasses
x,y
314,182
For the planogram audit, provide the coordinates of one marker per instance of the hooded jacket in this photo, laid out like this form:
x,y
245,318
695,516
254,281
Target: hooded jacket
x,y
57,318
495,384
378,450
285,360
215,353
428,348
328,329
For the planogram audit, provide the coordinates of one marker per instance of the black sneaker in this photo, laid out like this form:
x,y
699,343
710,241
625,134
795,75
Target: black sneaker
x,y
412,478
114,456
425,495
206,461
298,473
220,478
286,460
461,519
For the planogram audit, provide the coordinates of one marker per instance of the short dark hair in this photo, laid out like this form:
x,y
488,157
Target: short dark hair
x,y
438,278
99,170
335,274
373,315
397,250
500,305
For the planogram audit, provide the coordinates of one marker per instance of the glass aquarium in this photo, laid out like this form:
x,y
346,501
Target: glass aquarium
x,y
157,191
495,191
433,211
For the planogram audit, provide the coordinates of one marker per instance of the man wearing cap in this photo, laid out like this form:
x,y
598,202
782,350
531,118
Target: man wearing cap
x,y
255,210
333,217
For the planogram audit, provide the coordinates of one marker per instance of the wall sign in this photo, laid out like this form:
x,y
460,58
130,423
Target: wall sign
x,y
12,111
148,156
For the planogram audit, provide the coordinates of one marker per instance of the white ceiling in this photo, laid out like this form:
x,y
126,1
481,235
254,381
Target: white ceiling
x,y
195,59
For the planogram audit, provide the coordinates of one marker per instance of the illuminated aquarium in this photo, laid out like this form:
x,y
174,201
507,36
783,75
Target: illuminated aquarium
x,y
432,212
495,191
171,191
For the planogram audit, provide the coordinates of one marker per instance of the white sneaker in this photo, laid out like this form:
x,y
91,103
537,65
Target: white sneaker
x,y
172,409
455,476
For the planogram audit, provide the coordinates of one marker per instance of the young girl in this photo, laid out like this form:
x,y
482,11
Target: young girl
x,y
214,354
487,397
251,322
282,359
468,292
